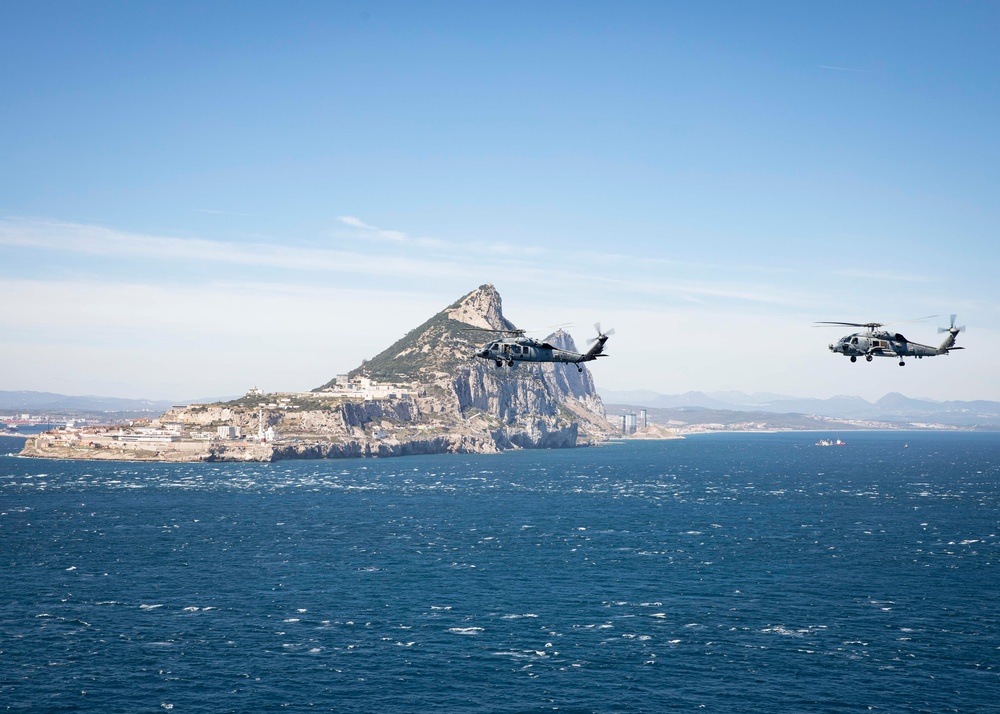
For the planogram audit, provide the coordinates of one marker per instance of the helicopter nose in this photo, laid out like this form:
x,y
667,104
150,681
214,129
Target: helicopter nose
x,y
483,353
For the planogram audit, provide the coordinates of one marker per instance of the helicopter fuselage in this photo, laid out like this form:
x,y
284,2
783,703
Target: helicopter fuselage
x,y
525,349
882,343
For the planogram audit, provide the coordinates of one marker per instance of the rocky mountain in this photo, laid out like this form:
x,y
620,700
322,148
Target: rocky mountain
x,y
436,396
534,405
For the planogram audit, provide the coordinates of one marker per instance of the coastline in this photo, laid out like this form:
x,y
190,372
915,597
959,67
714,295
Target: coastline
x,y
190,452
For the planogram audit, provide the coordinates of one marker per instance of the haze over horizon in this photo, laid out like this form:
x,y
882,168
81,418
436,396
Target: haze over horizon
x,y
200,198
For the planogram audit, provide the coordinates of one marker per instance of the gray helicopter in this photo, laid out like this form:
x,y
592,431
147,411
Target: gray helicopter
x,y
882,343
514,346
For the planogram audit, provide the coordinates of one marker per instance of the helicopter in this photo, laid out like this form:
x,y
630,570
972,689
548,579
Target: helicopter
x,y
514,346
882,343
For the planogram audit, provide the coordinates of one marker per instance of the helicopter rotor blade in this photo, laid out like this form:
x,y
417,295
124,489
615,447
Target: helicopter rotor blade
x,y
951,326
600,334
873,325
515,331
549,328
904,322
850,324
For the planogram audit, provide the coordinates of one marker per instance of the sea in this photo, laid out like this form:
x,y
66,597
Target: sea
x,y
721,573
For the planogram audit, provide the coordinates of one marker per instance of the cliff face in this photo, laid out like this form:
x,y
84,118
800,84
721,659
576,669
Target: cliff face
x,y
455,402
570,383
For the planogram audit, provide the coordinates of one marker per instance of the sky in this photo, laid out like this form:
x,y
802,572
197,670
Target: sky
x,y
198,198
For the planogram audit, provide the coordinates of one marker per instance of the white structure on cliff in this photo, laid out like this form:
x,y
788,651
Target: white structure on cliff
x,y
365,388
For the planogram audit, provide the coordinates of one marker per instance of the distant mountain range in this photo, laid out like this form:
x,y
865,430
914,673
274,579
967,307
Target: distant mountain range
x,y
893,407
44,402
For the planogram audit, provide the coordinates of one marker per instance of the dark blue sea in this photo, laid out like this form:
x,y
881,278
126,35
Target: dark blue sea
x,y
721,573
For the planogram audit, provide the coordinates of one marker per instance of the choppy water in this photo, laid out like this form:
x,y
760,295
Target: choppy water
x,y
727,573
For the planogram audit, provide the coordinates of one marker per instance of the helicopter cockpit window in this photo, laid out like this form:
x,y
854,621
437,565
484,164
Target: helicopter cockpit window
x,y
494,347
854,341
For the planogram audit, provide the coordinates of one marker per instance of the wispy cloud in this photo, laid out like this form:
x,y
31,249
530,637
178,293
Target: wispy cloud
x,y
217,212
531,271
381,234
882,275
109,242
841,69
372,231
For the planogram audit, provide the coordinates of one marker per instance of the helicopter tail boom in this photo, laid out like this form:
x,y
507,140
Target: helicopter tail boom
x,y
598,344
596,349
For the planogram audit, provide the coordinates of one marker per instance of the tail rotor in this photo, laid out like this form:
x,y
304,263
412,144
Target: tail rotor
x,y
605,335
951,327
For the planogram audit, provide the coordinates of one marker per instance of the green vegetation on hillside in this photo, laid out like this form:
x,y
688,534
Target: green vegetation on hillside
x,y
439,345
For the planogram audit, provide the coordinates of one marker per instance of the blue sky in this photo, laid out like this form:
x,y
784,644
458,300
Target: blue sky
x,y
196,198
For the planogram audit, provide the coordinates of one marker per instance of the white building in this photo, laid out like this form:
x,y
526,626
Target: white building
x,y
228,432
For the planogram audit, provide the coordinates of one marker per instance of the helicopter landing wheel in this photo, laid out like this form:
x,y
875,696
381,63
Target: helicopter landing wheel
x,y
579,368
499,364
868,358
902,363
510,363
853,358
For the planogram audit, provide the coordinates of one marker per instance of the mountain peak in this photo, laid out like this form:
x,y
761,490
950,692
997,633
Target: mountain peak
x,y
480,308
521,406
562,340
441,344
